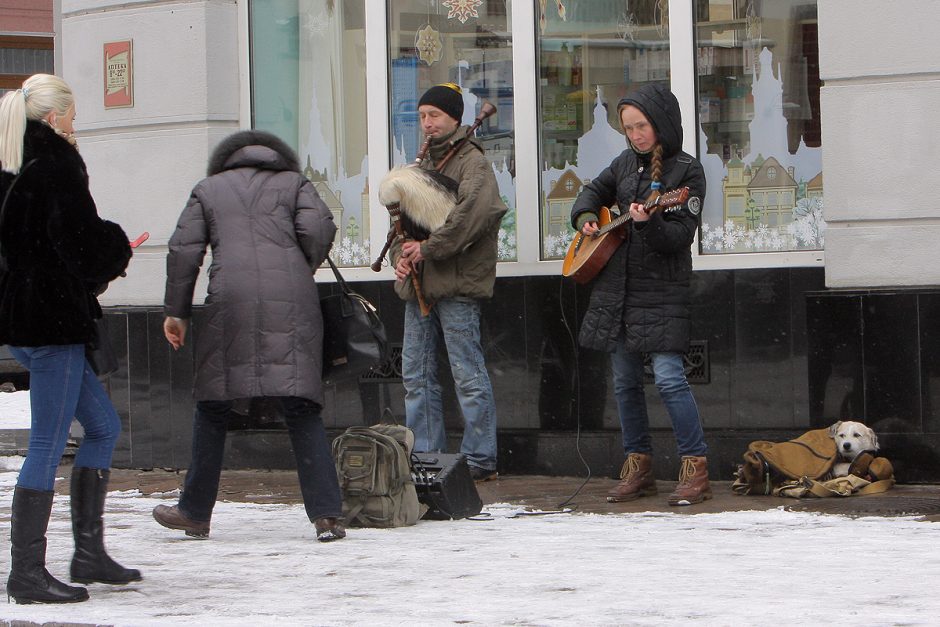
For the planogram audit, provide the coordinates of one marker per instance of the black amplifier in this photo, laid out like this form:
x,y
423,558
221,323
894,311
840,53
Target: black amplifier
x,y
444,484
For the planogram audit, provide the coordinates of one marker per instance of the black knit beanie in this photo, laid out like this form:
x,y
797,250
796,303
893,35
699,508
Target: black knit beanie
x,y
447,97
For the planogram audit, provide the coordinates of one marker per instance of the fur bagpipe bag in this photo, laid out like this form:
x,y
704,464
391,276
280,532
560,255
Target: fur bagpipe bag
x,y
425,198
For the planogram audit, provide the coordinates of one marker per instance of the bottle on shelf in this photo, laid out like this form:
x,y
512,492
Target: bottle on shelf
x,y
564,65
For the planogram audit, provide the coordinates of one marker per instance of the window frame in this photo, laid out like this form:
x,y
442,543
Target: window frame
x,y
527,133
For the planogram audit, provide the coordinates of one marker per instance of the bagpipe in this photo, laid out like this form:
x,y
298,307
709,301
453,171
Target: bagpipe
x,y
419,200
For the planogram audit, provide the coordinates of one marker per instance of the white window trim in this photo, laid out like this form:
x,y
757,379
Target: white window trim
x,y
244,64
528,197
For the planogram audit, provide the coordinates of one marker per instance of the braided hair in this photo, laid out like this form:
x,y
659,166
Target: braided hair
x,y
656,171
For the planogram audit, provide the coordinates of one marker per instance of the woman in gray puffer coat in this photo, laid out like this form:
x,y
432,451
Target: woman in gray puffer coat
x,y
640,300
261,333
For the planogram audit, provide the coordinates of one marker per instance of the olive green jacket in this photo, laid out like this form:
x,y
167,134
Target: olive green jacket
x,y
460,255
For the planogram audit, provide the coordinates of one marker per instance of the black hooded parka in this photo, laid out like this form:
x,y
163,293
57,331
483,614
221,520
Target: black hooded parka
x,y
641,297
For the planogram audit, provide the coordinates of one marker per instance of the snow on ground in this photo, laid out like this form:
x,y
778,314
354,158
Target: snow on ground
x,y
14,410
262,565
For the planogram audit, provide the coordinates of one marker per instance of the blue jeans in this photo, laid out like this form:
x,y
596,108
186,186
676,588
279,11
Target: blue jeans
x,y
63,386
457,322
673,388
315,469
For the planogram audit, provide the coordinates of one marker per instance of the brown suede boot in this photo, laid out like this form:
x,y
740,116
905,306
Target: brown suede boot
x,y
693,482
636,479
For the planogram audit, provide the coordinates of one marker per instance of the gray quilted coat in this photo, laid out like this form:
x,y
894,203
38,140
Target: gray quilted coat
x,y
261,333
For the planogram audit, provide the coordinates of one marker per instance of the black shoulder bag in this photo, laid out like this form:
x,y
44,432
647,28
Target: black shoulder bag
x,y
354,338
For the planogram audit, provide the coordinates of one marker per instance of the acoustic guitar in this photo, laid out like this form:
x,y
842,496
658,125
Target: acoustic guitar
x,y
588,254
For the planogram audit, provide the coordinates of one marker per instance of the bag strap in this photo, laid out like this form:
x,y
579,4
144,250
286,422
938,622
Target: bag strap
x,y
6,197
877,487
339,277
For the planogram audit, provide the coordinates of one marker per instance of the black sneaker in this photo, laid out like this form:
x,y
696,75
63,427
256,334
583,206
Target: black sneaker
x,y
480,474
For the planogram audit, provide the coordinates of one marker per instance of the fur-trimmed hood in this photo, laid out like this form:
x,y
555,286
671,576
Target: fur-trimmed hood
x,y
255,149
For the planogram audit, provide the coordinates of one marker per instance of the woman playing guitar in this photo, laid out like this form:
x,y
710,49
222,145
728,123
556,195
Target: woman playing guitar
x,y
640,299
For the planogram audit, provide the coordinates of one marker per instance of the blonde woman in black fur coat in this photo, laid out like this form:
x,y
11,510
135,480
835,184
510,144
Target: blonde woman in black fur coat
x,y
56,251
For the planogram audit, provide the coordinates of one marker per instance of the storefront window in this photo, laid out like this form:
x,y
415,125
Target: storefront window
x,y
21,56
759,131
308,87
467,43
591,54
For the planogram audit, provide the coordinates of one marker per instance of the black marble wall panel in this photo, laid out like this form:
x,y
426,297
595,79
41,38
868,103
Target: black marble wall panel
x,y
762,373
835,357
802,280
872,359
784,356
928,322
713,320
891,359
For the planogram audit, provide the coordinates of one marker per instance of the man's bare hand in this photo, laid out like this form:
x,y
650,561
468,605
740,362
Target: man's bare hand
x,y
402,268
412,252
175,331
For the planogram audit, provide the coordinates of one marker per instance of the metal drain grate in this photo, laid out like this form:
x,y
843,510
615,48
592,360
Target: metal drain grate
x,y
871,505
697,366
388,371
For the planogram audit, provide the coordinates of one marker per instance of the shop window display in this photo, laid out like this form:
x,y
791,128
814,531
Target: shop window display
x,y
759,131
466,42
297,51
591,54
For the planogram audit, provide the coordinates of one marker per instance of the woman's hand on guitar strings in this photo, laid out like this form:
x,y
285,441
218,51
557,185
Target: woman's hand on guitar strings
x,y
638,212
589,228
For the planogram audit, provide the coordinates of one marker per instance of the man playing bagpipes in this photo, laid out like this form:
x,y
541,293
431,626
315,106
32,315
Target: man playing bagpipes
x,y
445,264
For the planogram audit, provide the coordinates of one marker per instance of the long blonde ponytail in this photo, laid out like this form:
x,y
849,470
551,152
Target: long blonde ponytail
x,y
40,94
12,127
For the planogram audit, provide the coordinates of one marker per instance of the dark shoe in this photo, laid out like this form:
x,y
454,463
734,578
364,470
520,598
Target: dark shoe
x,y
693,482
329,529
29,580
91,563
480,474
172,518
636,479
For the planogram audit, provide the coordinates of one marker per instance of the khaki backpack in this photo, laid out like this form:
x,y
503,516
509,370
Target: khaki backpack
x,y
374,471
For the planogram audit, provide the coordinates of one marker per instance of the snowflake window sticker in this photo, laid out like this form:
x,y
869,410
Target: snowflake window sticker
x,y
463,10
627,27
429,46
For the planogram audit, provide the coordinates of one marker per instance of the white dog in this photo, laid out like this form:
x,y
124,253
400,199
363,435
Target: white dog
x,y
851,439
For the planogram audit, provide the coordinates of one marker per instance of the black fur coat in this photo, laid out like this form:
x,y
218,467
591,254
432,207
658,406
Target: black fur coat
x,y
56,250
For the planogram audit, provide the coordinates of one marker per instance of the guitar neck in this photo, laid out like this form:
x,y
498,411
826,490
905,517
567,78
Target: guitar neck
x,y
613,224
666,200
